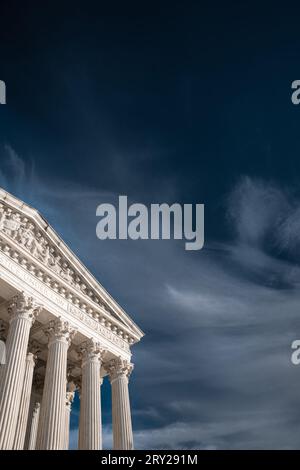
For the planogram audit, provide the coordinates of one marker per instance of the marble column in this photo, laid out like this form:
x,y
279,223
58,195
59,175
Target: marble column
x,y
78,383
36,397
69,400
2,358
90,429
34,426
2,347
31,357
23,311
51,429
119,371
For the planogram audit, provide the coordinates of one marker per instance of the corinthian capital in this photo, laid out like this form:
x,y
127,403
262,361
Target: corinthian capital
x,y
24,306
91,350
118,367
60,330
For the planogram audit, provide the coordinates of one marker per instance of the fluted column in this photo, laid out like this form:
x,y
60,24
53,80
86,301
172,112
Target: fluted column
x,y
90,429
119,371
25,398
69,400
36,397
52,416
2,347
34,426
2,358
23,311
78,383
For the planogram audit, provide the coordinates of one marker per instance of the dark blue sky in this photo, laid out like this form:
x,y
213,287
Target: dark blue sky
x,y
173,102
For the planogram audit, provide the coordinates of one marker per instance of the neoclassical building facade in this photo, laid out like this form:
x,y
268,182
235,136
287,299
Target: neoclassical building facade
x,y
60,332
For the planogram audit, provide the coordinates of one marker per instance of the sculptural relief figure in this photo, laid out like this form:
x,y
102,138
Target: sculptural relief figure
x,y
38,247
55,265
26,236
78,282
48,257
2,216
83,288
14,224
71,279
66,273
11,223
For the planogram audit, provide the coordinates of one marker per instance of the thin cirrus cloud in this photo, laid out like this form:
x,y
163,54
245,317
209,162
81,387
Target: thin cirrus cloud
x,y
261,210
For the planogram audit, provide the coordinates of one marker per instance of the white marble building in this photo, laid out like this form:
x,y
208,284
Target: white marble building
x,y
62,332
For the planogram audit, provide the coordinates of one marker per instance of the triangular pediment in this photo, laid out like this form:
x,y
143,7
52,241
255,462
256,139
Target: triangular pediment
x,y
26,228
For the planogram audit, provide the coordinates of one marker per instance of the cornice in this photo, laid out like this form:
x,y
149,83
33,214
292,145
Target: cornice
x,y
9,260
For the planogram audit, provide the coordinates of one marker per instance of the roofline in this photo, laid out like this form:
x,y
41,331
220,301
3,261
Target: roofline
x,y
41,220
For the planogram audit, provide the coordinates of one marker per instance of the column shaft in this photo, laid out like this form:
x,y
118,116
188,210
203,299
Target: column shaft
x,y
52,416
90,435
119,371
36,398
24,405
67,426
121,415
23,311
69,400
34,427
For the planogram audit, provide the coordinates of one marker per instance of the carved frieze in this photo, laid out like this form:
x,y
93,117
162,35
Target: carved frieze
x,y
98,323
26,234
